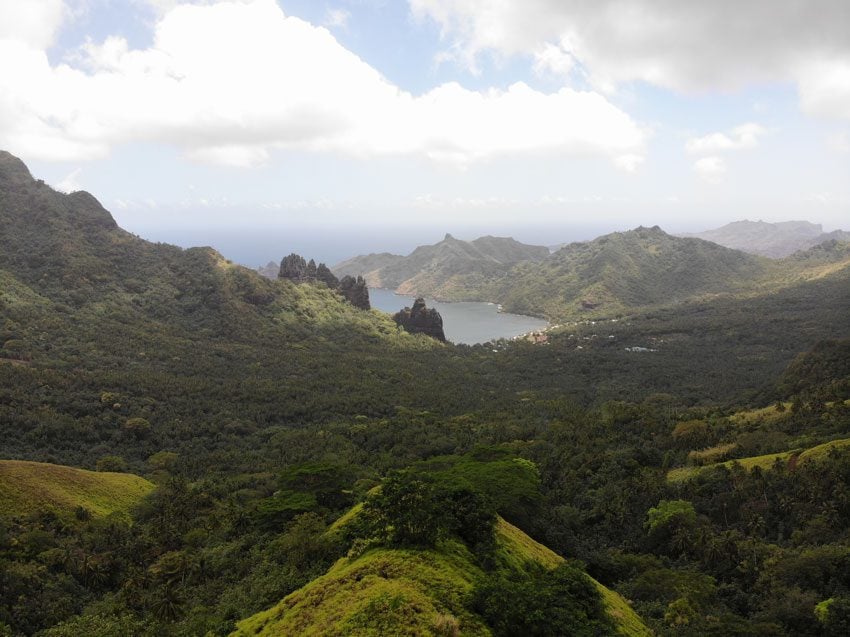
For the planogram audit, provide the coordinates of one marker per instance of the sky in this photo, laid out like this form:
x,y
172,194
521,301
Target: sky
x,y
336,127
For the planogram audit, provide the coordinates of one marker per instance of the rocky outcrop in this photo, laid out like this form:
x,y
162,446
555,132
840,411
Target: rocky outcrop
x,y
324,275
355,291
297,269
421,320
294,268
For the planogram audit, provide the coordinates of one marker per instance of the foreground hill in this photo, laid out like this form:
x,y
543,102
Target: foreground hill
x,y
775,240
451,269
412,592
29,487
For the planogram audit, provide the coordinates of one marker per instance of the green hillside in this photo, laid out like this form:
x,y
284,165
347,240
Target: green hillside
x,y
410,592
451,269
625,270
766,461
616,274
29,487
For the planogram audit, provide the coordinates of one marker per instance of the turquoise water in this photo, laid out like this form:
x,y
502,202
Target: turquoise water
x,y
463,322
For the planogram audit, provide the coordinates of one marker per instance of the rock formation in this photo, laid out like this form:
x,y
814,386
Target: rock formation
x,y
421,320
298,270
355,291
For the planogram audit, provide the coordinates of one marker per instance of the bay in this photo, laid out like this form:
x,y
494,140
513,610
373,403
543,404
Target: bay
x,y
466,321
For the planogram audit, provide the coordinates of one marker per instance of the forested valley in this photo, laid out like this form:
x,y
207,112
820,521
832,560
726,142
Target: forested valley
x,y
188,448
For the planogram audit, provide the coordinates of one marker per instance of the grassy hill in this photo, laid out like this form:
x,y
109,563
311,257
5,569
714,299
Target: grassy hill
x,y
29,487
766,461
410,592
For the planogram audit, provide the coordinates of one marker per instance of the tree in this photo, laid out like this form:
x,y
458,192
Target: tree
x,y
834,615
137,427
111,463
562,601
405,512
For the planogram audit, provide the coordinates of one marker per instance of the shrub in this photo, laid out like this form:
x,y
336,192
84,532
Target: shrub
x,y
111,463
541,603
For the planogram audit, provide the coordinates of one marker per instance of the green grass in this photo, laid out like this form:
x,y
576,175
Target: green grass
x,y
766,461
820,452
338,524
715,453
767,414
383,592
29,487
410,592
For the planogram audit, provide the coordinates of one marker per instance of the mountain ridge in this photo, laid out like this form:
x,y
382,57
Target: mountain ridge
x,y
770,239
442,270
611,275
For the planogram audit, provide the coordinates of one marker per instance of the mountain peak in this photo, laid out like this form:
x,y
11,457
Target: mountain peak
x,y
654,230
13,169
79,206
448,237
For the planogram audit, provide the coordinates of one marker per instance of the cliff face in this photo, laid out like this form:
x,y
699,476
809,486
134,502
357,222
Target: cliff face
x,y
421,320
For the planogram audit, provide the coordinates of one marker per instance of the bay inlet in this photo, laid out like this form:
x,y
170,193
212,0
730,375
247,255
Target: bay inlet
x,y
466,322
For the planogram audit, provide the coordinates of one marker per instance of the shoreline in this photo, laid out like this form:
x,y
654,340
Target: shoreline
x,y
499,308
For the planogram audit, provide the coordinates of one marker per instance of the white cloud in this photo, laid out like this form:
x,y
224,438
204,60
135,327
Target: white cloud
x,y
554,59
711,169
830,199
337,18
743,137
230,155
686,45
233,81
161,7
839,142
32,22
629,163
825,88
70,182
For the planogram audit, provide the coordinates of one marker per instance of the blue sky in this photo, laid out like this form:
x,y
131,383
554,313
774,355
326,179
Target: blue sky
x,y
261,126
